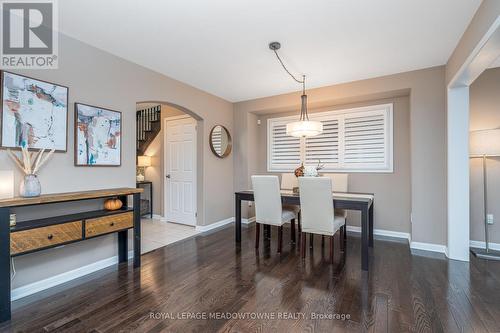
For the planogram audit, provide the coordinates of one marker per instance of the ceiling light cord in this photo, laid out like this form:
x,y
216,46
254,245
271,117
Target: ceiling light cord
x,y
303,109
304,127
303,81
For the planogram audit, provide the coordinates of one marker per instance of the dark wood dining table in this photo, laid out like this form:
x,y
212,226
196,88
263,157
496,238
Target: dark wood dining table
x,y
362,202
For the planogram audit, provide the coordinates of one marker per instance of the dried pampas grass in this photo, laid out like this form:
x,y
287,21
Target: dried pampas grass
x,y
30,163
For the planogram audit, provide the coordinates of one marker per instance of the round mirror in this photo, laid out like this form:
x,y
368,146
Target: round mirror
x,y
220,141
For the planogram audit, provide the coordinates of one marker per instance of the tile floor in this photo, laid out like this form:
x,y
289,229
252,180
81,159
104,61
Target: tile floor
x,y
156,234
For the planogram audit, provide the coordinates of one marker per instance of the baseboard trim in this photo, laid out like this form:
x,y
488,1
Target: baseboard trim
x,y
404,235
429,247
248,221
159,217
482,245
205,228
382,232
56,280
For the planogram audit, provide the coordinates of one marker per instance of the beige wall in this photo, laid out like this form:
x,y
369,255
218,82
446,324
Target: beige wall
x,y
99,78
392,190
427,148
485,114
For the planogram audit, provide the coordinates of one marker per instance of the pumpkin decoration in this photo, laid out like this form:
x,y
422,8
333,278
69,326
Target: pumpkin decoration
x,y
113,204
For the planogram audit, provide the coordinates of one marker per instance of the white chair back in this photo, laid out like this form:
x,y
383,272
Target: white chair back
x,y
266,190
288,181
316,203
340,181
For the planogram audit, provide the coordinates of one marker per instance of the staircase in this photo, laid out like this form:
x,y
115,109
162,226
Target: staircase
x,y
148,123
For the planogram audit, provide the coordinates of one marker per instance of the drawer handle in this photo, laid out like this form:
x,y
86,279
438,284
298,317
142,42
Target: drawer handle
x,y
112,224
50,236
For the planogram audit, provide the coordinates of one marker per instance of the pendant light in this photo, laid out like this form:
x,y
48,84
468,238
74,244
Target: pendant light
x,y
304,127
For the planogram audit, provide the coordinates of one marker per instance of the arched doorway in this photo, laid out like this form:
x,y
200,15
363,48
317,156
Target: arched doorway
x,y
168,188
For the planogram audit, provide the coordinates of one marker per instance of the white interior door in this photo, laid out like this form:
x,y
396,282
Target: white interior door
x,y
180,171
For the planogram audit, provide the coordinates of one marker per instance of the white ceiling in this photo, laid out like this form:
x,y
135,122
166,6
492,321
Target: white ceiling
x,y
220,46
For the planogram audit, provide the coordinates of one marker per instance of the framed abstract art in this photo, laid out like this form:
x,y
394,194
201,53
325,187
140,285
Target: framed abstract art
x,y
97,136
34,113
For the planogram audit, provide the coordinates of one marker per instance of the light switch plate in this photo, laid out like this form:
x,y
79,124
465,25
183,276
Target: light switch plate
x,y
489,218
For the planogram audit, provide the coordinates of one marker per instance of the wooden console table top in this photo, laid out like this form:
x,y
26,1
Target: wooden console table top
x,y
68,196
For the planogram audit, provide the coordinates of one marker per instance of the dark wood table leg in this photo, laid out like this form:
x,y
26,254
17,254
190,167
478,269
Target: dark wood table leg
x,y
344,233
4,264
371,224
137,230
364,238
237,218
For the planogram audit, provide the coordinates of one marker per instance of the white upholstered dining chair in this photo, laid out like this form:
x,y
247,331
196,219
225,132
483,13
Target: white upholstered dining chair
x,y
317,210
288,183
340,183
268,209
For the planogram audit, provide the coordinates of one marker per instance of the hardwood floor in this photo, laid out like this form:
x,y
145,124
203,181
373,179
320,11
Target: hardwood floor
x,y
207,274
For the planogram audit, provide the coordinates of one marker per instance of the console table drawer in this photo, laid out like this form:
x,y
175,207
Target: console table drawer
x,y
39,238
107,224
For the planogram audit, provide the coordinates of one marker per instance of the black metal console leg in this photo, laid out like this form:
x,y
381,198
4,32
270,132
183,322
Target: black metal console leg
x,y
137,230
151,199
124,200
4,264
123,246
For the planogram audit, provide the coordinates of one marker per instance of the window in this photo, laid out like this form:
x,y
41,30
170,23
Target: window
x,y
353,140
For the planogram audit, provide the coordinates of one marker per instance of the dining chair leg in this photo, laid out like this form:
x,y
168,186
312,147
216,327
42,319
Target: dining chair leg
x,y
331,249
267,231
303,245
311,240
280,238
293,230
299,223
322,241
257,234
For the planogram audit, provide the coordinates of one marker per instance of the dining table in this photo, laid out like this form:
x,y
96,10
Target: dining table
x,y
362,202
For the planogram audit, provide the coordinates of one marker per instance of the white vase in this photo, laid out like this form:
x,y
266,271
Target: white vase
x,y
30,186
310,171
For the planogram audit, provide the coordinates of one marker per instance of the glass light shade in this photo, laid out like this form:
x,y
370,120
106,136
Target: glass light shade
x,y
6,184
144,161
304,128
484,143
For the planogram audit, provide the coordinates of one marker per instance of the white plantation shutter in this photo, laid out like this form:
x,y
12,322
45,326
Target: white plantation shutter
x,y
324,147
283,150
366,140
353,140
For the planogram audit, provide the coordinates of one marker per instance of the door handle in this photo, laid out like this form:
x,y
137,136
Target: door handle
x,y
168,176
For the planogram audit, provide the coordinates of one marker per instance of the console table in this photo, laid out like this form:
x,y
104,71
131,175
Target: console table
x,y
146,204
40,234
